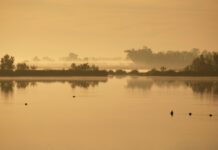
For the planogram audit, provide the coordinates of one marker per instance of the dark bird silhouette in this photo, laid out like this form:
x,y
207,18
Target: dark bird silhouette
x,y
210,115
74,96
190,114
171,113
25,104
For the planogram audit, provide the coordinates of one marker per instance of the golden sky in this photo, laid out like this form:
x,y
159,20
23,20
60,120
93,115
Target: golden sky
x,y
54,28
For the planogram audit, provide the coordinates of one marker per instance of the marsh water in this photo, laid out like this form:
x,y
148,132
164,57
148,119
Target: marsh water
x,y
114,113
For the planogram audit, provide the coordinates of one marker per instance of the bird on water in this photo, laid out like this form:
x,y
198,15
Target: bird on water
x,y
190,114
171,113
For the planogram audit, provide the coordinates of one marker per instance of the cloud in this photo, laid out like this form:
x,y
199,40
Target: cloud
x,y
46,58
71,57
36,58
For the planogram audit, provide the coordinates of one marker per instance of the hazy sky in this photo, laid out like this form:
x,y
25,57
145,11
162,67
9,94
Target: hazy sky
x,y
105,27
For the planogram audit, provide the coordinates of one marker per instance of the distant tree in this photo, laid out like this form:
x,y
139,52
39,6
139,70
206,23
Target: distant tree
x,y
163,68
111,72
33,67
134,72
120,72
94,68
22,66
215,58
83,67
73,66
7,63
206,62
153,71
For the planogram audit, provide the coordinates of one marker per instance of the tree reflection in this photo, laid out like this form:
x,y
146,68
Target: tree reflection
x,y
85,83
202,87
22,84
139,84
7,87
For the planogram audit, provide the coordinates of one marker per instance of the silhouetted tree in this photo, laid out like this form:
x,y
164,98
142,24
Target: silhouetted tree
x,y
7,63
22,66
120,72
163,68
134,72
73,66
207,62
83,67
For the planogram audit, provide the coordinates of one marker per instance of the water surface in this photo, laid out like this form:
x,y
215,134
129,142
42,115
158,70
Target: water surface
x,y
125,113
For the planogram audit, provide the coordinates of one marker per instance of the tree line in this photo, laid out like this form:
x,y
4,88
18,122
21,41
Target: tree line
x,y
7,64
205,64
8,68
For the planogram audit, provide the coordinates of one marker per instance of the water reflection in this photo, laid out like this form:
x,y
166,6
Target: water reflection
x,y
136,83
85,83
7,86
202,87
22,84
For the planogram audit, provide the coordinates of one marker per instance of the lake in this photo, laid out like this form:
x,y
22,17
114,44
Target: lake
x,y
114,113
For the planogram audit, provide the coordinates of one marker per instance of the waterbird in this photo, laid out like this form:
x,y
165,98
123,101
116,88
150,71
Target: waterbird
x,y
190,114
171,113
74,96
25,104
210,115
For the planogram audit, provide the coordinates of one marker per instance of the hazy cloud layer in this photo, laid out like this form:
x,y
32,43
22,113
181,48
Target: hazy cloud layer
x,y
45,58
170,59
36,59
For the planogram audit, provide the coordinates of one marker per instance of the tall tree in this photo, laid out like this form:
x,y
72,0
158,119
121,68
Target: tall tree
x,y
7,63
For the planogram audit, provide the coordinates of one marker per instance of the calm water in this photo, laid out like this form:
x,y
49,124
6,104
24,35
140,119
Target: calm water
x,y
130,113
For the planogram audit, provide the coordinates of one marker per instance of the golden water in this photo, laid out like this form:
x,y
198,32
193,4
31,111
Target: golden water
x,y
126,113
